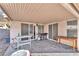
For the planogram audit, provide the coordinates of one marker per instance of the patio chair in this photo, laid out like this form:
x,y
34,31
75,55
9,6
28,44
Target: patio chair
x,y
21,53
27,40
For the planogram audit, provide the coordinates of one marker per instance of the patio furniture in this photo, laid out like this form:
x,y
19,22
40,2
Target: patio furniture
x,y
42,36
21,42
21,53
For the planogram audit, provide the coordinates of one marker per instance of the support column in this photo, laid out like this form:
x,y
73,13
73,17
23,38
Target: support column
x,y
78,35
36,28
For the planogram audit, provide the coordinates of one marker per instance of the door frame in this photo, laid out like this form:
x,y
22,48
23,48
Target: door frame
x,y
56,31
52,30
28,29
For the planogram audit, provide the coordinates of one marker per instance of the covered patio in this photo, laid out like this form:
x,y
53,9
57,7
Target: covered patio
x,y
60,23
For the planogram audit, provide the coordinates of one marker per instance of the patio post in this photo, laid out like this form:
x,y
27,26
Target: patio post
x,y
36,31
78,36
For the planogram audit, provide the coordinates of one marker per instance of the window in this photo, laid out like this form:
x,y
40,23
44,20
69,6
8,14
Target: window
x,y
50,31
74,22
27,29
24,29
72,28
40,28
31,28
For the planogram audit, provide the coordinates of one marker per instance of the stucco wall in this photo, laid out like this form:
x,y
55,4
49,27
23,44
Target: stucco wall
x,y
46,28
62,28
15,29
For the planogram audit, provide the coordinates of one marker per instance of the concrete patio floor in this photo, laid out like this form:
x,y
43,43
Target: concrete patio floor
x,y
45,47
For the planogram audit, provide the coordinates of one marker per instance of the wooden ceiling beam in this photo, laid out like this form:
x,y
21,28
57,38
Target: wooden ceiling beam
x,y
71,9
76,6
8,18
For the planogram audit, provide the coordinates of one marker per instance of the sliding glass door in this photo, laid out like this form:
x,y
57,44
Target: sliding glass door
x,y
31,30
40,28
55,31
27,29
50,31
24,29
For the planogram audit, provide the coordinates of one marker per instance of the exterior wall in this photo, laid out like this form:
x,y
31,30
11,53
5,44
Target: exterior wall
x,y
15,29
46,28
62,28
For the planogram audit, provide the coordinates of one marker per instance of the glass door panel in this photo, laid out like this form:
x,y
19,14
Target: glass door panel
x,y
50,31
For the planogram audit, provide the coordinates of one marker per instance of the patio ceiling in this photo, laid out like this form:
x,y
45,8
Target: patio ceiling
x,y
36,13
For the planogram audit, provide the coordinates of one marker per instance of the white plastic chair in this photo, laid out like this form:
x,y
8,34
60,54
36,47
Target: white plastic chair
x,y
21,53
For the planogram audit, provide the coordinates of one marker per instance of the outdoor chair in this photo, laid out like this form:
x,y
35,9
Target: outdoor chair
x,y
23,40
